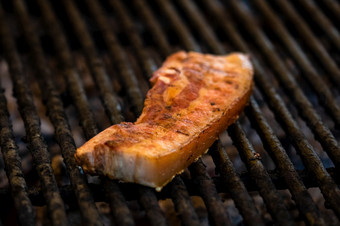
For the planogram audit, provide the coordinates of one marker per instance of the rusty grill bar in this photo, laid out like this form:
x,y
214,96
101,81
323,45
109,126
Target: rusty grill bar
x,y
120,44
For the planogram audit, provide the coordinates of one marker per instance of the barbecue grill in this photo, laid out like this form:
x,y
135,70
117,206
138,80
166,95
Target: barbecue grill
x,y
76,67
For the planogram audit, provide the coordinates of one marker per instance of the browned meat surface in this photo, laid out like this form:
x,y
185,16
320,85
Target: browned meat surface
x,y
193,99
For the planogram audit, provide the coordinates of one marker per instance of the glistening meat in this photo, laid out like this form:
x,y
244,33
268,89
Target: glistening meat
x,y
193,99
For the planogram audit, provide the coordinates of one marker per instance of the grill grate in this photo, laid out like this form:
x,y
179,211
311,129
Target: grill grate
x,y
296,96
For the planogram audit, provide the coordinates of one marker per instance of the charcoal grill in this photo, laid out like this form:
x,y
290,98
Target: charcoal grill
x,y
76,67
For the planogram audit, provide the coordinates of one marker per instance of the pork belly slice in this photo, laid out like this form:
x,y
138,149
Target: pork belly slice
x,y
193,99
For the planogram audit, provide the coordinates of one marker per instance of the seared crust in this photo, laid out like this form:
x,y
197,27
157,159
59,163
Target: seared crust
x,y
194,98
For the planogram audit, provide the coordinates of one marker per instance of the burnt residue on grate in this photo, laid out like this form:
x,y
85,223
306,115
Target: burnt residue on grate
x,y
286,168
317,83
35,139
63,134
13,165
234,185
313,43
133,38
71,75
117,202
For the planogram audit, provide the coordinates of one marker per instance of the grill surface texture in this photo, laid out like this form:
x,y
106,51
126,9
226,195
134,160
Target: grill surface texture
x,y
71,68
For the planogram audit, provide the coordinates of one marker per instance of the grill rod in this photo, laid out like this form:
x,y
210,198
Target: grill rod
x,y
266,187
158,35
182,201
98,72
67,193
322,21
129,80
59,120
311,75
127,75
114,204
233,184
296,192
334,7
310,158
201,32
146,63
121,213
181,30
300,194
207,190
213,207
244,207
13,166
180,195
71,75
199,172
35,139
207,187
10,155
147,196
311,40
307,111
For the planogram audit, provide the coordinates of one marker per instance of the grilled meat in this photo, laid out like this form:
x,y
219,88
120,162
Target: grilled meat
x,y
193,99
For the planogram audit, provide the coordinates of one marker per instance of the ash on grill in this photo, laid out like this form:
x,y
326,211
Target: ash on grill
x,y
77,67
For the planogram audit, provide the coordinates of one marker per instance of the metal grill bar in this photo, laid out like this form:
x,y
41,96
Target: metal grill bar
x,y
322,20
183,204
180,14
121,212
158,35
198,21
127,75
325,96
118,205
179,192
182,31
207,190
59,120
71,75
135,40
217,213
11,157
210,37
67,193
311,40
98,71
323,134
309,157
37,145
234,186
207,198
118,55
260,175
275,101
267,189
301,196
334,7
147,196
116,199
149,201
